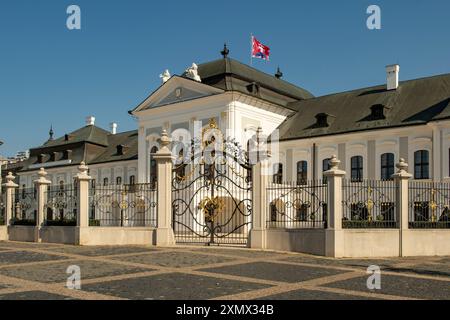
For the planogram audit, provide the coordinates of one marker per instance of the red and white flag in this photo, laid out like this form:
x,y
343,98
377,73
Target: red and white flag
x,y
259,50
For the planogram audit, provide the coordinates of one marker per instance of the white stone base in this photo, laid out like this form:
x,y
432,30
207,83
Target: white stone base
x,y
3,233
165,237
310,241
22,233
258,239
110,236
426,242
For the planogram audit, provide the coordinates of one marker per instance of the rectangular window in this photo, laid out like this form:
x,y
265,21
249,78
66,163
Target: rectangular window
x,y
422,165
357,168
387,166
325,167
278,173
302,173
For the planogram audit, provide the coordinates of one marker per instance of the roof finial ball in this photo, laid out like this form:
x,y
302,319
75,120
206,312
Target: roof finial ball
x,y
225,52
279,74
51,133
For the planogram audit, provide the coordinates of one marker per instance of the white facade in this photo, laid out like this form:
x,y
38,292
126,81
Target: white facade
x,y
99,172
371,145
237,114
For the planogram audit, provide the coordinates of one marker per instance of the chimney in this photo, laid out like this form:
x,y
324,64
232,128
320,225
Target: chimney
x,y
392,73
90,121
113,127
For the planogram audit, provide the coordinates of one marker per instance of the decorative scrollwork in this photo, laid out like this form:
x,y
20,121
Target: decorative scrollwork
x,y
133,205
429,204
369,204
293,206
212,203
25,204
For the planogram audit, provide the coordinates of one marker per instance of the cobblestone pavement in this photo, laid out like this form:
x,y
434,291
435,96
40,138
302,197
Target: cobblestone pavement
x,y
38,272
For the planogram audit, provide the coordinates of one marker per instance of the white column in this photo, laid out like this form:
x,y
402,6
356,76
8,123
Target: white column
x,y
142,158
401,178
164,158
10,188
258,233
41,187
334,237
437,154
83,180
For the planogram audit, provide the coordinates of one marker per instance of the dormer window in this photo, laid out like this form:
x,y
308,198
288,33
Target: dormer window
x,y
66,137
53,156
67,154
378,112
322,120
253,88
121,149
41,158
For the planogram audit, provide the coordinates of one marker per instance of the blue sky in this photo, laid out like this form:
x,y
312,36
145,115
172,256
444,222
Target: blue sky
x,y
50,75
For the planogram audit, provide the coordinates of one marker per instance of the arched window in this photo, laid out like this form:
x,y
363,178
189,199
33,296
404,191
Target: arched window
x,y
61,185
132,180
422,164
325,167
387,166
118,181
105,182
302,173
180,166
153,168
356,163
278,173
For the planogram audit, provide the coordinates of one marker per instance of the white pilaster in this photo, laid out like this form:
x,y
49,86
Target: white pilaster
x,y
437,145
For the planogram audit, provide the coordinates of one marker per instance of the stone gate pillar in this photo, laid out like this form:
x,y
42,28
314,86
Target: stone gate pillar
x,y
83,180
401,178
258,234
41,187
334,237
10,188
164,158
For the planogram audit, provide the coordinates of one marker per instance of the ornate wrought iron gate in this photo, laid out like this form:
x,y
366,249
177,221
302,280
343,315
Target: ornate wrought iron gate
x,y
212,194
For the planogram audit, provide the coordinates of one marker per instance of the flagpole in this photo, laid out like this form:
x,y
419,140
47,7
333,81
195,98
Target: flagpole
x,y
251,49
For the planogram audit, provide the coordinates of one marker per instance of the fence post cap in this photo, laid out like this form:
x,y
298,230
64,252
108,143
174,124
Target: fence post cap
x,y
10,181
42,173
164,142
402,171
334,167
334,162
83,172
42,177
10,176
165,139
402,165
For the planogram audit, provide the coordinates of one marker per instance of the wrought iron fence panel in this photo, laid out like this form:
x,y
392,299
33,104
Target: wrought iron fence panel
x,y
429,205
369,204
24,206
212,201
123,206
61,205
293,205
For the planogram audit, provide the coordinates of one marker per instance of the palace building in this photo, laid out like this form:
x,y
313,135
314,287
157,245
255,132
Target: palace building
x,y
369,129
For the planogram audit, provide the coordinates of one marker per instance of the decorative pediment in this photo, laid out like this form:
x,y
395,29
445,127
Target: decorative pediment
x,y
175,90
